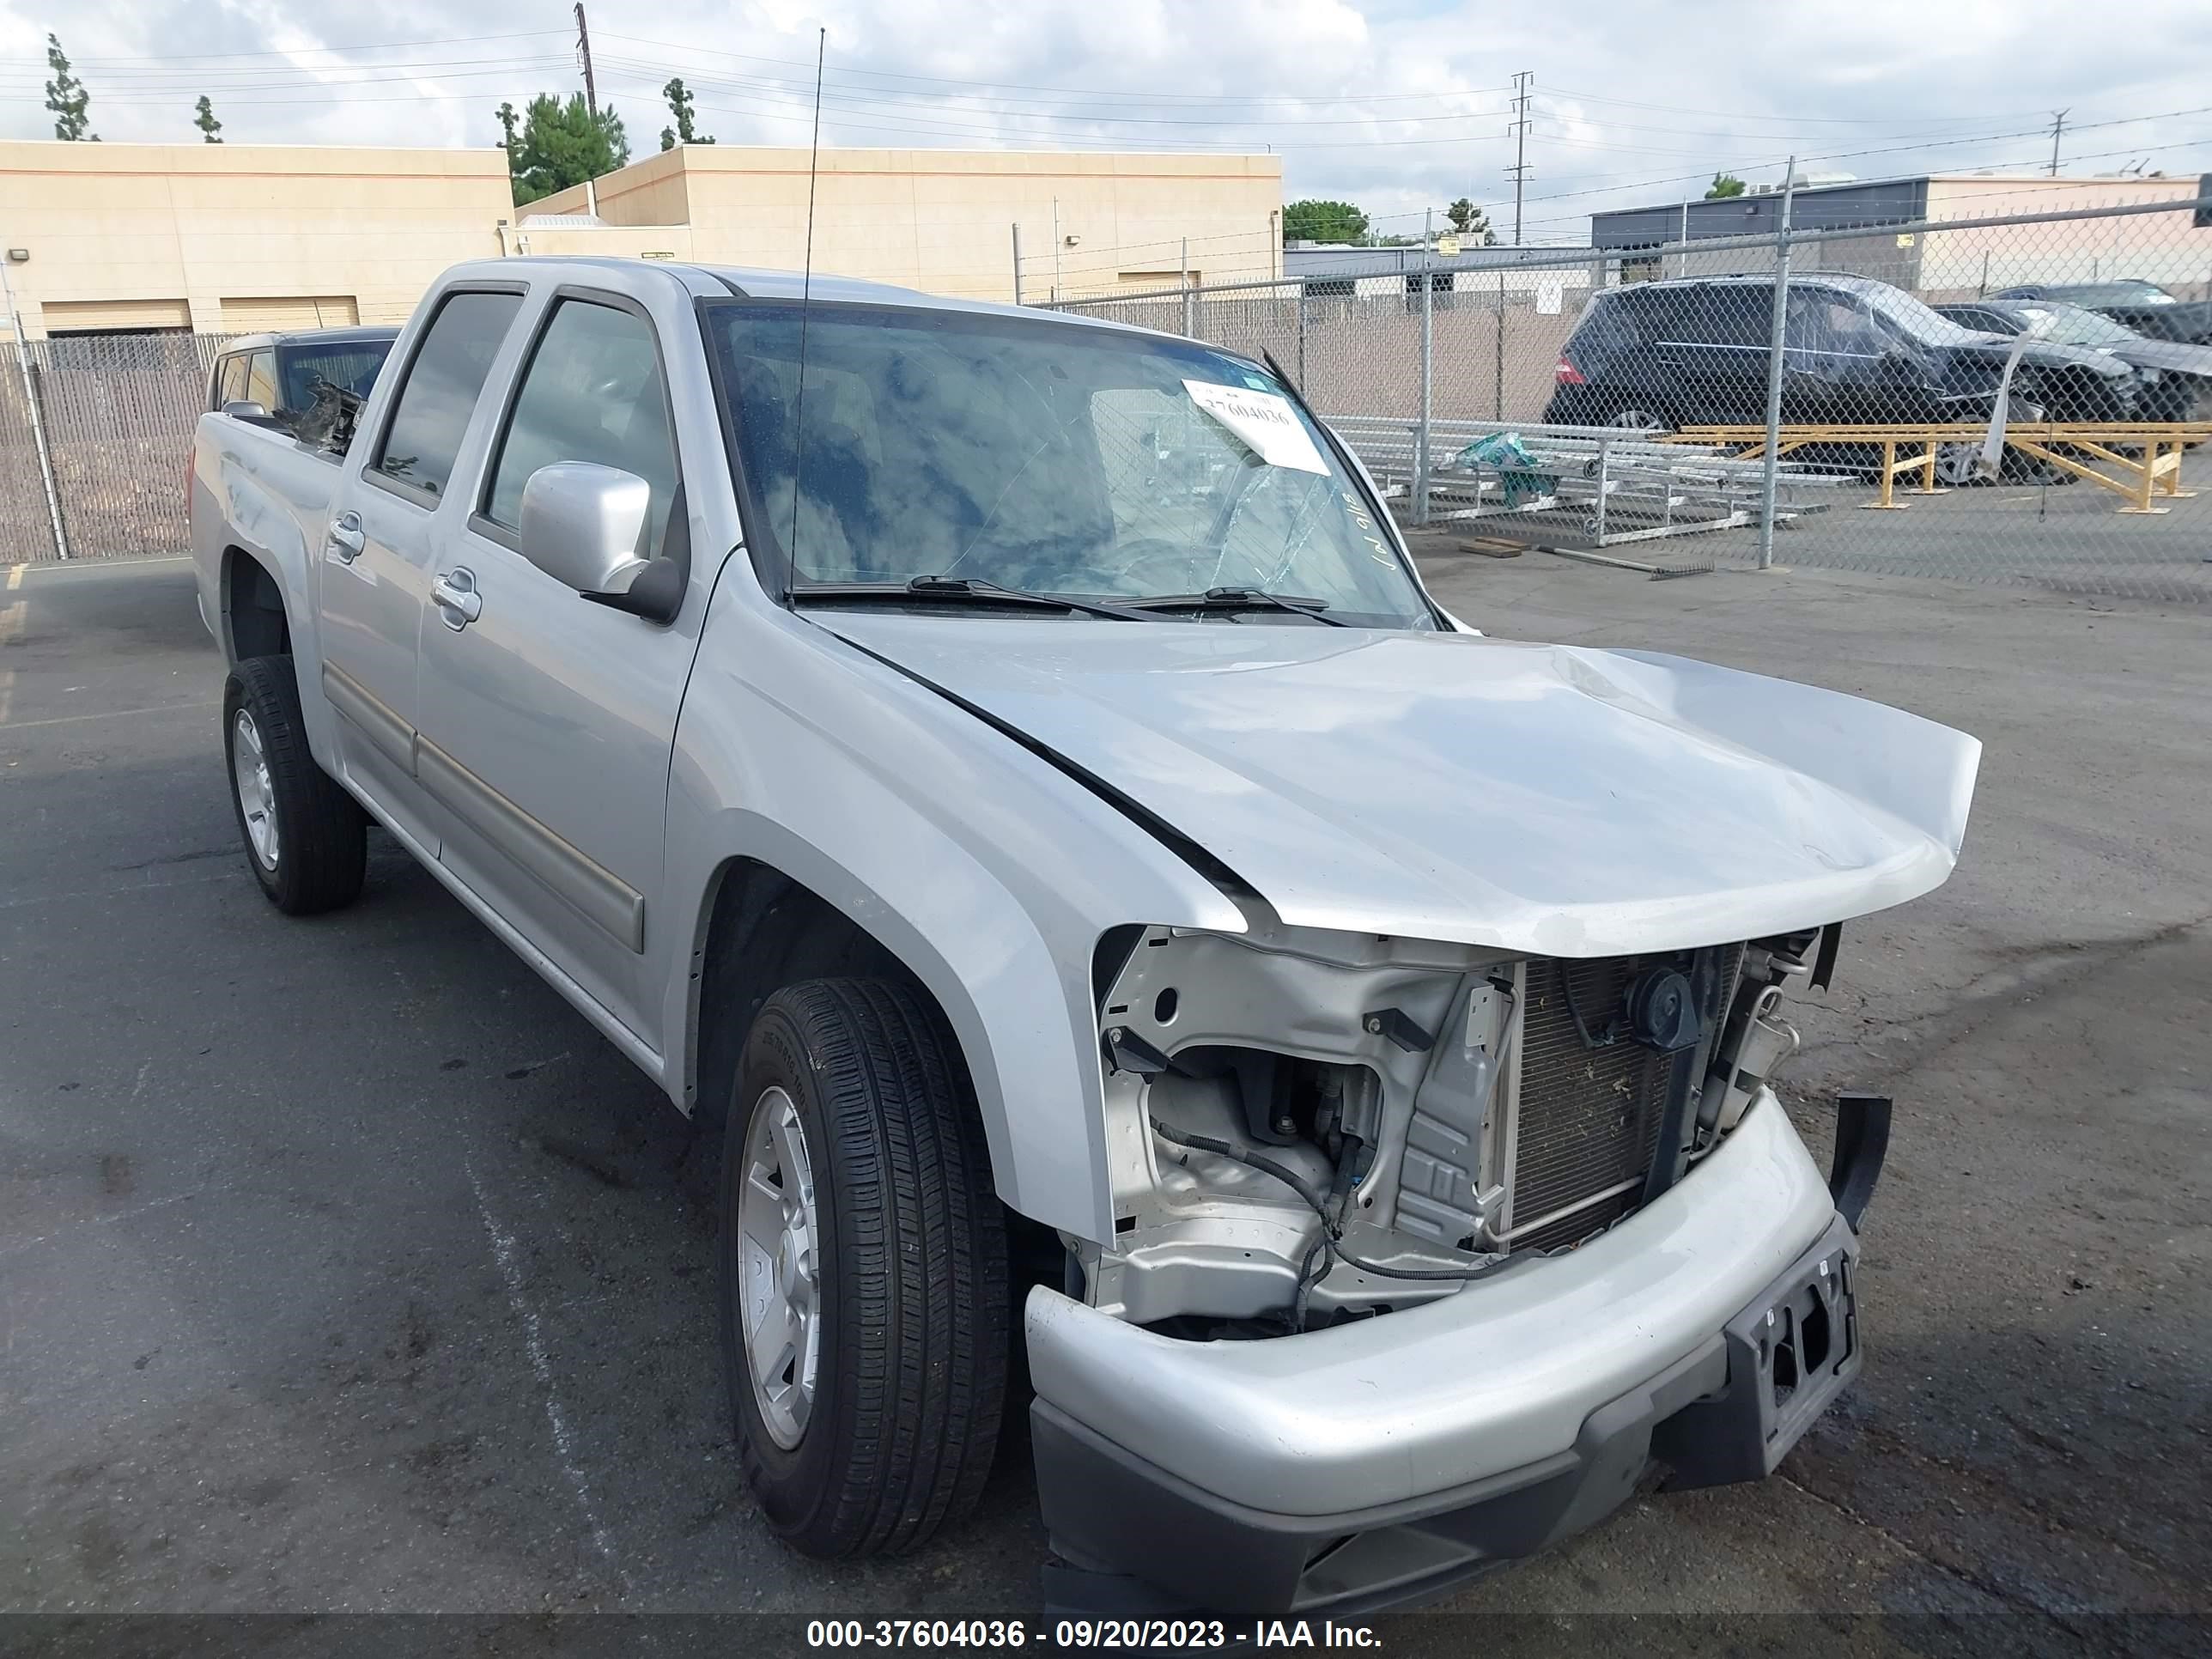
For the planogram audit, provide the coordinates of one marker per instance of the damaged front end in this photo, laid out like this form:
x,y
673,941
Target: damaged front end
x,y
1306,1126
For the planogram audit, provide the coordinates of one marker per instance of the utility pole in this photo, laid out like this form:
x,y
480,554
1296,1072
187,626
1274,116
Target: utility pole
x,y
583,52
1520,167
2057,126
1777,335
1424,428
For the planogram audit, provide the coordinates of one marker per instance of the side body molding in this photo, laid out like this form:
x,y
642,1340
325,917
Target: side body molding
x,y
597,893
390,734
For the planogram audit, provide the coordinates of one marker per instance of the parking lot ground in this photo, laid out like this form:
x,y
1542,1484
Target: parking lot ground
x,y
344,1269
2066,538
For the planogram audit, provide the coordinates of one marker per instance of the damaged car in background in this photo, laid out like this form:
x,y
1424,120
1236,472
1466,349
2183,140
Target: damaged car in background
x,y
1148,965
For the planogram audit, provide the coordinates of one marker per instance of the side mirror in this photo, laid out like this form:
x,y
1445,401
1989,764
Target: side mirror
x,y
583,525
244,409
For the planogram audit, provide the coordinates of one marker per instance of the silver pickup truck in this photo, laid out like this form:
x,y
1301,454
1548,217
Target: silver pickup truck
x,y
1147,963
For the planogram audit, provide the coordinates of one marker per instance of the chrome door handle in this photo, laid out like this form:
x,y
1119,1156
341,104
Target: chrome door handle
x,y
345,536
454,592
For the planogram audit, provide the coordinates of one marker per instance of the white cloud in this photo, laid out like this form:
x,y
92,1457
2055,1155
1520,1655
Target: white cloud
x,y
1394,104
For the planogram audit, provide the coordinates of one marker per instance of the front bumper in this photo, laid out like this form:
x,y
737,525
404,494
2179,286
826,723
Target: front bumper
x,y
1376,1463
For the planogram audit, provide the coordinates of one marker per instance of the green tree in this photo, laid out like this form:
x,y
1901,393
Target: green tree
x,y
66,96
1323,222
561,143
680,105
1724,185
203,119
1470,223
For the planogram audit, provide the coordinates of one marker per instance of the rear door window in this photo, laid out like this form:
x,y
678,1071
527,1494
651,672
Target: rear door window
x,y
1737,314
431,415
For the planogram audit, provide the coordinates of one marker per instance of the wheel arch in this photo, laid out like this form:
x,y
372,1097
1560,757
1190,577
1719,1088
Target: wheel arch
x,y
761,929
255,621
761,923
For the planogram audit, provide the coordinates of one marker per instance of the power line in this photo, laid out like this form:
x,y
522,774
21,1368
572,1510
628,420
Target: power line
x,y
296,52
1737,115
1085,92
2057,127
870,99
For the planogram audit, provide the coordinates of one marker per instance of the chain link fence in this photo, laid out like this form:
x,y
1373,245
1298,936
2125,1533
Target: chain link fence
x,y
2017,398
107,418
2012,399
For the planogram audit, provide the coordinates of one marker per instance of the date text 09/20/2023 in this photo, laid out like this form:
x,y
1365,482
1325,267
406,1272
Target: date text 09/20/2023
x,y
989,1634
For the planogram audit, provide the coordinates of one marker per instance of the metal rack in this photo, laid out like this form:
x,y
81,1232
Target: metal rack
x,y
1604,486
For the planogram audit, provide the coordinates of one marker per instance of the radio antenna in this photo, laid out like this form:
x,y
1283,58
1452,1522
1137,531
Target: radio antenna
x,y
805,305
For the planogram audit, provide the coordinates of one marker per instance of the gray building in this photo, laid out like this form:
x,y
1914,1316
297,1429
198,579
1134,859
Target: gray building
x,y
1818,205
1953,251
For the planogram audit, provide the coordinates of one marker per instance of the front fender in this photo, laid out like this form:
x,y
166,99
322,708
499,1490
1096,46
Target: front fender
x,y
986,871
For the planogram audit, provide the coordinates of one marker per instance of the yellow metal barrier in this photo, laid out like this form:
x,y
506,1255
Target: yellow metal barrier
x,y
2080,448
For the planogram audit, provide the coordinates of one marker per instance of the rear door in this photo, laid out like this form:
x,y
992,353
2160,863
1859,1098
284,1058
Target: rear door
x,y
1713,338
375,558
547,722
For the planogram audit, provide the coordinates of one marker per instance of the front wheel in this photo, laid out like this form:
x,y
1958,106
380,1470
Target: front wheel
x,y
306,840
863,1259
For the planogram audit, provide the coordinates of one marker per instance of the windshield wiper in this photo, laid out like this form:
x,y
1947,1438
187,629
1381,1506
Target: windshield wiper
x,y
963,587
1244,598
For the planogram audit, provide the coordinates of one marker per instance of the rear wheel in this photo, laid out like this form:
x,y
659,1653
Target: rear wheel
x,y
863,1261
306,838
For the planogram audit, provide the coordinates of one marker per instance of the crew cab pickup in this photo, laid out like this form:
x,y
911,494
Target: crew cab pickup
x,y
1003,773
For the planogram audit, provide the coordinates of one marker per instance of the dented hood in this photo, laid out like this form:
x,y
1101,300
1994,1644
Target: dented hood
x,y
1543,798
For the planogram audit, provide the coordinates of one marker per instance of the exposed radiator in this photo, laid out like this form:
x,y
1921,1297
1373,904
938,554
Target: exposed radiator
x,y
1587,1119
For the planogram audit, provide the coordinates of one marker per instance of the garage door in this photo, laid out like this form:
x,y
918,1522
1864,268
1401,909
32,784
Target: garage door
x,y
283,313
67,316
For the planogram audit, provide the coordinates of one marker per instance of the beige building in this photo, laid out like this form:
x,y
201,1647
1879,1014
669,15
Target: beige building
x,y
939,220
225,238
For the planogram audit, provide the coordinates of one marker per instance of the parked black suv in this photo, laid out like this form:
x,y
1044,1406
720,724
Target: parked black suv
x,y
1855,352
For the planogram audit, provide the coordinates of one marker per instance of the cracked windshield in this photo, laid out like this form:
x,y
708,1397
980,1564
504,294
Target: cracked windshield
x,y
1054,457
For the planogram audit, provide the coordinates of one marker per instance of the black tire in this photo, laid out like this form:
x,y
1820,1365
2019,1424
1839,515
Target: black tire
x,y
911,1296
320,853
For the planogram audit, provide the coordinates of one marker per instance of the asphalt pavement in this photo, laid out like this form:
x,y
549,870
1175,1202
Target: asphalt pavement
x,y
344,1270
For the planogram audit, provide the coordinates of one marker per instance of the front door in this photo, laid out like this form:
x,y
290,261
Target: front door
x,y
547,722
375,558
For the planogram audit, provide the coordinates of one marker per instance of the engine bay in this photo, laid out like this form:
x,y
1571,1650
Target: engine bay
x,y
1306,1126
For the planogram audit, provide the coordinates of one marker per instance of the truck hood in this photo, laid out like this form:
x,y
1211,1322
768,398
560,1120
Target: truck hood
x,y
1543,798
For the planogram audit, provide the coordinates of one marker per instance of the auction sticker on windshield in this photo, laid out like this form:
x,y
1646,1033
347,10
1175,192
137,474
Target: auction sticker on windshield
x,y
1263,421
